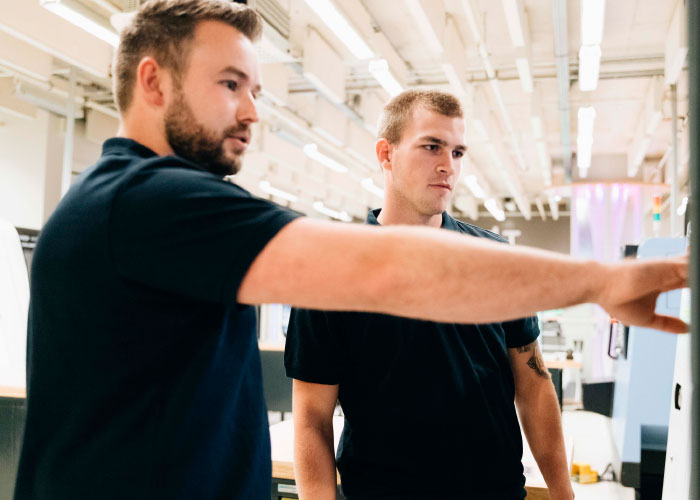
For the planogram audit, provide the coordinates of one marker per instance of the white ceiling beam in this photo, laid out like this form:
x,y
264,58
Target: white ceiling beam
x,y
33,24
362,20
676,44
429,18
24,58
647,123
454,62
540,208
553,205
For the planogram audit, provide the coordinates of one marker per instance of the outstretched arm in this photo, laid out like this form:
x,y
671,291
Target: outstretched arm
x,y
438,275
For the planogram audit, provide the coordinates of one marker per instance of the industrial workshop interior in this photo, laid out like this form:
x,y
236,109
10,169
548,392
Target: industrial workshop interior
x,y
576,122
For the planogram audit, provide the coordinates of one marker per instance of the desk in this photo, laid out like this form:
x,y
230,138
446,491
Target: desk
x,y
282,440
7,391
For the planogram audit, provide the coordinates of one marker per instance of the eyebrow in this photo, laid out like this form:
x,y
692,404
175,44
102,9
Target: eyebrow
x,y
435,140
242,75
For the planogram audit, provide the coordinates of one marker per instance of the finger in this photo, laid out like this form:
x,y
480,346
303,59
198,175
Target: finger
x,y
671,274
668,324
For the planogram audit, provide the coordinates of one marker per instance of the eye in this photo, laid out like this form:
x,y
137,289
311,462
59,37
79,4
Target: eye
x,y
232,85
432,147
458,154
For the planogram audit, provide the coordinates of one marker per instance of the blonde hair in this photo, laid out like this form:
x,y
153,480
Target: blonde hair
x,y
164,29
399,110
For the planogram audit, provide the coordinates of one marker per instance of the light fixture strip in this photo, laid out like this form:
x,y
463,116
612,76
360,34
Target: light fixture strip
x,y
270,189
588,67
79,17
341,27
335,214
514,22
497,212
473,184
369,185
379,69
311,150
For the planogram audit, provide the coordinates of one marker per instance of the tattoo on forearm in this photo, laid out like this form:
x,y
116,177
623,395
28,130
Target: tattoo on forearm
x,y
535,362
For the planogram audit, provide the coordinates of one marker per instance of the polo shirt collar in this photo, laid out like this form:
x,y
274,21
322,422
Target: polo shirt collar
x,y
447,221
122,144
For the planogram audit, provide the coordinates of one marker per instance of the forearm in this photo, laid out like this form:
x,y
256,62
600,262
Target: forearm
x,y
415,272
314,463
541,421
466,279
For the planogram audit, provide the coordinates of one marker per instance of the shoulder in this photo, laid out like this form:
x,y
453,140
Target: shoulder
x,y
170,178
466,228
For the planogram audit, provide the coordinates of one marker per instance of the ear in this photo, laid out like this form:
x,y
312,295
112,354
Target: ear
x,y
152,81
383,150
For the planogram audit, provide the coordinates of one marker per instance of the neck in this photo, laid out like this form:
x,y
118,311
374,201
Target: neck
x,y
397,211
144,132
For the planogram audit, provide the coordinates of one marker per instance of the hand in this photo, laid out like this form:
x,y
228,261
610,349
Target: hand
x,y
632,289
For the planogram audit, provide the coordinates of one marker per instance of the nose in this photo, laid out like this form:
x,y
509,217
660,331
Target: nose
x,y
448,164
247,109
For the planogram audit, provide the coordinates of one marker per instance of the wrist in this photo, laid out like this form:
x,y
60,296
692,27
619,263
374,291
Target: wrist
x,y
595,281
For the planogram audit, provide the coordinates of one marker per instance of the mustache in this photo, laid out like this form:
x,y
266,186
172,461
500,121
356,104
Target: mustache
x,y
241,128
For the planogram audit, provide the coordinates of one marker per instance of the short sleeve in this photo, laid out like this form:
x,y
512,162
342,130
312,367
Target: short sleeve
x,y
521,332
312,352
187,232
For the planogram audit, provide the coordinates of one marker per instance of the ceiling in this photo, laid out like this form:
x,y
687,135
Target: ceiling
x,y
333,100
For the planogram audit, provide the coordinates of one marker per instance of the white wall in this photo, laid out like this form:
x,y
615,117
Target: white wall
x,y
31,160
22,169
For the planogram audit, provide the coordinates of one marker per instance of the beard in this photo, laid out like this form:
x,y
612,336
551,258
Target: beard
x,y
192,141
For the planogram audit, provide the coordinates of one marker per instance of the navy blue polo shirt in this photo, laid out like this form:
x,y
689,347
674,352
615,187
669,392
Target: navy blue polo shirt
x,y
429,407
144,377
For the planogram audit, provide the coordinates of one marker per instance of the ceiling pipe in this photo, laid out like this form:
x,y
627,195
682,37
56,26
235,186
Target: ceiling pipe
x,y
561,53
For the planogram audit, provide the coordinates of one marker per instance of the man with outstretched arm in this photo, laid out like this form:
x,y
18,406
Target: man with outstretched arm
x,y
143,368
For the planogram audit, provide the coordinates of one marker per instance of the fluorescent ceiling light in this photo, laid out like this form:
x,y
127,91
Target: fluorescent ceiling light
x,y
82,18
588,67
270,189
510,206
329,14
683,206
335,214
525,74
514,21
370,186
592,21
495,210
473,184
426,28
583,153
311,150
586,120
379,69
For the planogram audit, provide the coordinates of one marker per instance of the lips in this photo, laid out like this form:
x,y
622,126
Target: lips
x,y
442,185
242,141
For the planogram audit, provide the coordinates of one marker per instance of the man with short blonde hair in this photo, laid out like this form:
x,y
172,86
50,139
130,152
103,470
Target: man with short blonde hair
x,y
428,405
